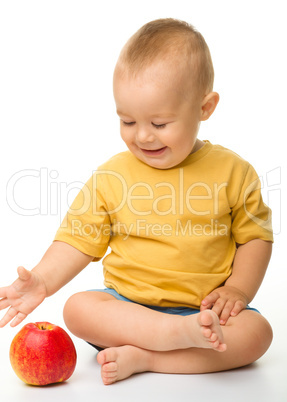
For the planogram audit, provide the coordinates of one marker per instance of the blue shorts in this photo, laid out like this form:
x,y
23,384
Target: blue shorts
x,y
166,310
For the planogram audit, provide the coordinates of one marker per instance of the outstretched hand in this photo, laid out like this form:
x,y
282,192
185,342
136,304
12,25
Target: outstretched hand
x,y
226,301
22,297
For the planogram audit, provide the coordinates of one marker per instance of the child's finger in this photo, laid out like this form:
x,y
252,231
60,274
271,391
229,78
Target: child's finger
x,y
3,292
239,306
11,313
209,300
4,303
219,306
24,274
18,319
226,311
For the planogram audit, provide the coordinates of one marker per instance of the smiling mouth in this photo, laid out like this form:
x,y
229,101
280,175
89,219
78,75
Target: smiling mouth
x,y
153,152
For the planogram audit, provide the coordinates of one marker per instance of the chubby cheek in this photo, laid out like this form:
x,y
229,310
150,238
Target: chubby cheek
x,y
128,140
175,143
125,137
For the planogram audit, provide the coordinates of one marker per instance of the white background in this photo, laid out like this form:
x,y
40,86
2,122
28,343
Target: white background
x,y
58,123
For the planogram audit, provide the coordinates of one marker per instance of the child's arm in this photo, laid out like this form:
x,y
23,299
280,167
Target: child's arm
x,y
59,265
249,267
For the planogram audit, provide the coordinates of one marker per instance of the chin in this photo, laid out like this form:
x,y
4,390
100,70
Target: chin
x,y
159,164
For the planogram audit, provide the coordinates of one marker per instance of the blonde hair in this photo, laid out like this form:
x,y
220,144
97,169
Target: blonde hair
x,y
175,41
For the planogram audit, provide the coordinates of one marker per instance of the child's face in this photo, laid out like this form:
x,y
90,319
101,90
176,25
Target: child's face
x,y
158,124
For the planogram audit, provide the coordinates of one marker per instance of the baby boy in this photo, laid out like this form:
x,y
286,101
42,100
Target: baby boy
x,y
189,235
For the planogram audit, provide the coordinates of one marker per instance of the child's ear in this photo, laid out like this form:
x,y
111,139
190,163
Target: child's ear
x,y
208,105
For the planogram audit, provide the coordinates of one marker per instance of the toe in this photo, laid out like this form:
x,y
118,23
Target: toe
x,y
215,344
109,374
109,367
106,356
101,357
109,380
222,347
207,333
207,318
213,337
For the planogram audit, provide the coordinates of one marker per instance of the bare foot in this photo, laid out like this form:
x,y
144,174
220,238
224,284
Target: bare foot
x,y
121,362
118,363
210,334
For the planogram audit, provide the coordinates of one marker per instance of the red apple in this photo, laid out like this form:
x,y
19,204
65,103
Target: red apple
x,y
43,353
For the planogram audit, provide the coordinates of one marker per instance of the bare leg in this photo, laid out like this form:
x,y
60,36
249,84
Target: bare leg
x,y
139,339
244,345
102,320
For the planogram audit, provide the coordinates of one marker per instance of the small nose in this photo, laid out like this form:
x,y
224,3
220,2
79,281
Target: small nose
x,y
144,134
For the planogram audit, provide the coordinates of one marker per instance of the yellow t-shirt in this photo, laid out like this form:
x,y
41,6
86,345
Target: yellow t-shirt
x,y
172,233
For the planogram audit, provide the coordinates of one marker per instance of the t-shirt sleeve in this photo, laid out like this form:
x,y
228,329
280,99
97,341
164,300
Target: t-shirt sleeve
x,y
251,218
86,225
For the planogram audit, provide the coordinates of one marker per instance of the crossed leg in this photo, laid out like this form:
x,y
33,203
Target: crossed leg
x,y
138,339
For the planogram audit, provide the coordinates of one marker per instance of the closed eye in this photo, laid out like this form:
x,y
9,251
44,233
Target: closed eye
x,y
128,123
158,125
